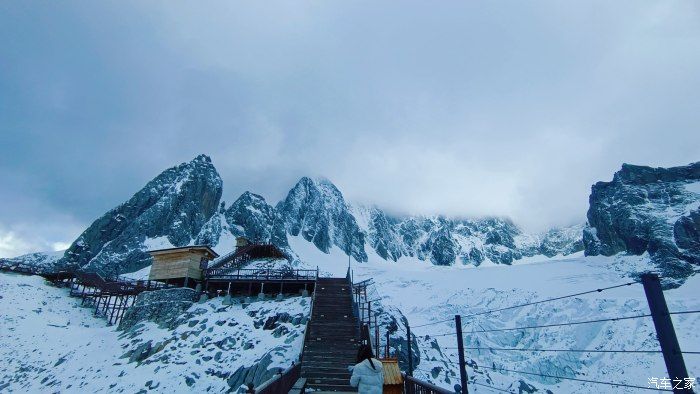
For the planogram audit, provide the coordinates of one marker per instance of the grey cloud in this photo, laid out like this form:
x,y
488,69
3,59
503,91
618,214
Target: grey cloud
x,y
465,109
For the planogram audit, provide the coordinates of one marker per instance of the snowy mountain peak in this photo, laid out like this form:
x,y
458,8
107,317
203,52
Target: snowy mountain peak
x,y
172,207
318,211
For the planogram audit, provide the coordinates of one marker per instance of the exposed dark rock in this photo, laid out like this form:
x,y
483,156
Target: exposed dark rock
x,y
176,204
317,211
652,210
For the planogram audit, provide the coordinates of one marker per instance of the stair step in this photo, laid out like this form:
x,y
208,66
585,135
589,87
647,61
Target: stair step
x,y
332,337
321,379
323,389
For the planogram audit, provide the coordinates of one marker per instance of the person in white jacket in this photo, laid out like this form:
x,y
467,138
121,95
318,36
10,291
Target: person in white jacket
x,y
368,373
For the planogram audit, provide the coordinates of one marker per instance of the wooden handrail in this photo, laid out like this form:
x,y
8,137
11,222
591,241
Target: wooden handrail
x,y
266,274
282,382
413,385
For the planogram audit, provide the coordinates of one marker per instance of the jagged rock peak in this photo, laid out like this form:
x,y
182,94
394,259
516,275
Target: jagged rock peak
x,y
173,206
259,220
317,210
648,210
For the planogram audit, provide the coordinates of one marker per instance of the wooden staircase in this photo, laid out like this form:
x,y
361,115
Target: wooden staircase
x,y
332,337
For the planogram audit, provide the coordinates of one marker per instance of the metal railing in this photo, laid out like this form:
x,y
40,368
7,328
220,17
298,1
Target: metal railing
x,y
245,274
412,385
282,382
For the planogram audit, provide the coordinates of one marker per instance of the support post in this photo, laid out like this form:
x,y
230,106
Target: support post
x,y
114,308
410,350
369,324
665,331
376,335
386,353
460,349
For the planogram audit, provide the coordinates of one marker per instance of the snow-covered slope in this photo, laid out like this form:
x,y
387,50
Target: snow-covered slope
x,y
51,344
425,293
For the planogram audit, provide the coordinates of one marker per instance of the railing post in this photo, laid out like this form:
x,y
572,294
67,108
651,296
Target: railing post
x,y
460,349
410,351
665,331
386,353
369,324
376,335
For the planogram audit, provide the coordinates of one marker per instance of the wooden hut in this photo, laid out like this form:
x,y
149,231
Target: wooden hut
x,y
241,242
180,265
393,381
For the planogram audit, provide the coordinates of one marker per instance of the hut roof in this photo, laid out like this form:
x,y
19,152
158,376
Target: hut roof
x,y
193,248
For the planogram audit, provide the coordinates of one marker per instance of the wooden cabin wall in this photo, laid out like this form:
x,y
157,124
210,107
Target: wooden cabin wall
x,y
176,265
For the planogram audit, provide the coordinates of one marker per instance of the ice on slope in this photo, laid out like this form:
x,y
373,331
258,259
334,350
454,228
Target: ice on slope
x,y
425,293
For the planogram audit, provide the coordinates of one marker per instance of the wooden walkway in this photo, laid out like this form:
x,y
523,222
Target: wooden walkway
x,y
110,298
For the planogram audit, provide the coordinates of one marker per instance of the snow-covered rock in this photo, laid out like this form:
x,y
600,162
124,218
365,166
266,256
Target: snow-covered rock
x,y
51,344
43,261
318,211
173,206
182,206
654,210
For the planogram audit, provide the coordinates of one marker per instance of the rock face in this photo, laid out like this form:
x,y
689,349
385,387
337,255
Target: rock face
x,y
175,205
653,210
182,206
448,241
249,216
318,211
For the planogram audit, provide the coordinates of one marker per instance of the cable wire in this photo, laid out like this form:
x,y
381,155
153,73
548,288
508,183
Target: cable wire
x,y
574,379
437,322
557,350
684,312
566,324
549,299
563,324
491,387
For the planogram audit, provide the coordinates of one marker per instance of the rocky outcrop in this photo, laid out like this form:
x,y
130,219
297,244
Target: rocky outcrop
x,y
648,210
43,261
259,221
175,205
163,307
249,216
563,241
382,235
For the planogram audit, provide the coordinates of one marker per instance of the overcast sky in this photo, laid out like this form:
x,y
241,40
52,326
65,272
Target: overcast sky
x,y
463,108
